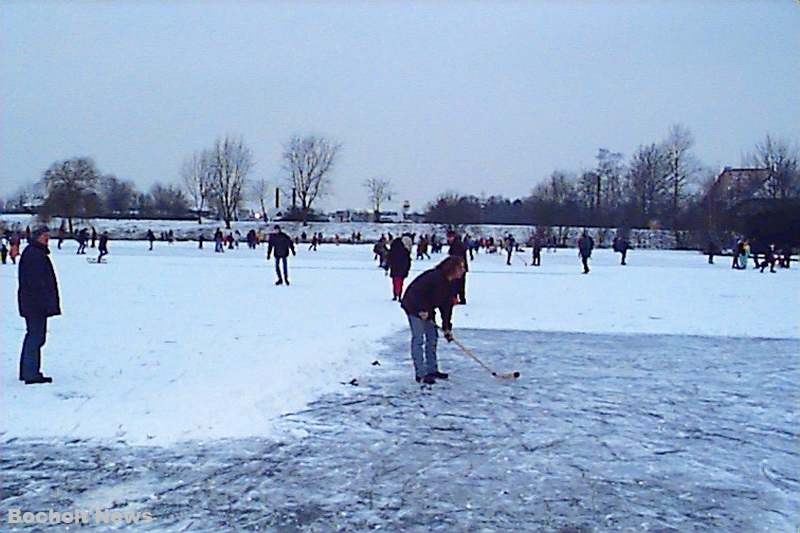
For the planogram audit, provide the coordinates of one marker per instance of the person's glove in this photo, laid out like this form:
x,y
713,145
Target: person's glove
x,y
268,258
423,315
294,253
448,334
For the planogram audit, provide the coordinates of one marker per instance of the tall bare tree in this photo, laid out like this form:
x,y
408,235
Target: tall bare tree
x,y
379,190
260,191
782,164
589,189
231,161
71,188
646,179
610,169
197,175
308,162
680,164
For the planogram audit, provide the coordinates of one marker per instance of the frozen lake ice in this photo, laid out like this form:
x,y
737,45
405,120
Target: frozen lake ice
x,y
601,433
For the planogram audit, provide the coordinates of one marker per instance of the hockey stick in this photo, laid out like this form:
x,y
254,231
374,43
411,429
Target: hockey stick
x,y
500,375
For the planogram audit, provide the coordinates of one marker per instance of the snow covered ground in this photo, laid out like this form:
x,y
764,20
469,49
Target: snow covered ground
x,y
184,344
658,396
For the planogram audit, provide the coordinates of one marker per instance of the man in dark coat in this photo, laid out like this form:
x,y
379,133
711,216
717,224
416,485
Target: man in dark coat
x,y
585,247
431,290
537,252
281,244
151,237
83,236
38,299
102,247
621,246
769,259
399,260
457,249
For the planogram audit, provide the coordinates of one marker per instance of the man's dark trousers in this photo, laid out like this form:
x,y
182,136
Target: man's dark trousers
x,y
278,261
31,359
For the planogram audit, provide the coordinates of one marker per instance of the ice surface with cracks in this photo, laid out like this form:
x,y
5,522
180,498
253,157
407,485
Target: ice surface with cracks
x,y
601,433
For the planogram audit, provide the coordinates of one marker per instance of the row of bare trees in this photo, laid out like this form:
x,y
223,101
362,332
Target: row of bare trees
x,y
661,184
215,180
221,175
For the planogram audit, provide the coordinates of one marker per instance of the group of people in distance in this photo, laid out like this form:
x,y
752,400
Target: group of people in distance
x,y
440,288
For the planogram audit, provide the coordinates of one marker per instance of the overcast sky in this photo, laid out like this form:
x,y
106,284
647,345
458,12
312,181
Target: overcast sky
x,y
465,96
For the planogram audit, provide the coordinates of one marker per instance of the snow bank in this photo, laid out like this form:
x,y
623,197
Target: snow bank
x,y
190,230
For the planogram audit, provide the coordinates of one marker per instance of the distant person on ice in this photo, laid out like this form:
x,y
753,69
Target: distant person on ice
x,y
38,300
399,264
3,249
621,245
510,244
585,247
151,237
536,259
457,249
102,247
83,236
431,290
281,244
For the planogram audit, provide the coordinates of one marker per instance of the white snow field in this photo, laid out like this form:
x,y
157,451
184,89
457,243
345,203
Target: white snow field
x,y
185,344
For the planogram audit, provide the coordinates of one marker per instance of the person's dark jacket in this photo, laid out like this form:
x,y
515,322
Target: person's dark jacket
x,y
38,289
281,244
399,259
457,249
429,291
585,245
103,245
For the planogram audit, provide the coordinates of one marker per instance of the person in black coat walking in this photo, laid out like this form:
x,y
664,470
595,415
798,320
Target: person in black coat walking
x,y
399,260
151,237
102,247
38,300
83,236
621,246
585,247
281,244
536,260
431,290
457,249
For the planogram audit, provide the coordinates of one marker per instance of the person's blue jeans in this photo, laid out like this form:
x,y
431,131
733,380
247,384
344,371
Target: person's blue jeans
x,y
31,359
278,262
423,333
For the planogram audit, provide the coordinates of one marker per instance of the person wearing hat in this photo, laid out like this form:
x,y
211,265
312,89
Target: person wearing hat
x,y
38,300
281,244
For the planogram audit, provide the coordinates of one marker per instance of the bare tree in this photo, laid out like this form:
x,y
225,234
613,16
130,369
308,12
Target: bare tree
x,y
610,169
308,161
379,190
71,188
118,196
260,191
168,201
680,164
589,189
559,188
232,161
782,164
646,179
197,173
